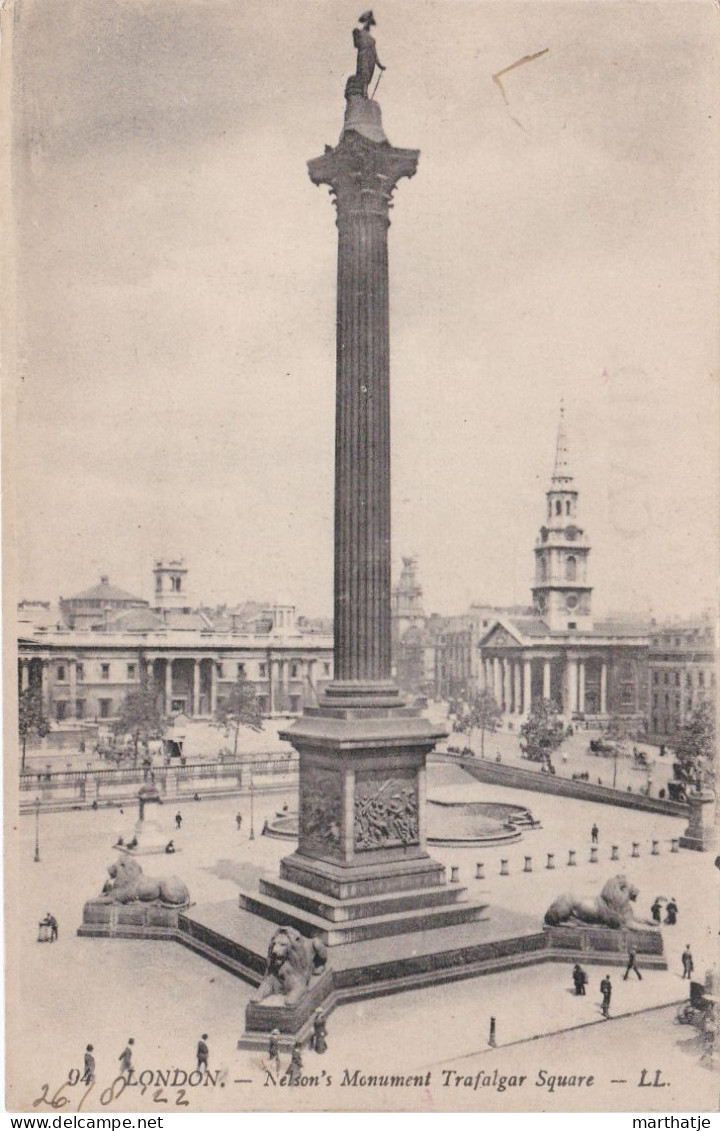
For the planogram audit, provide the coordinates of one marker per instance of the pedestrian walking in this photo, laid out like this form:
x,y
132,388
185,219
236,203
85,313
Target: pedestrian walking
x,y
606,991
671,912
491,1039
238,821
274,1050
178,820
125,1057
687,962
632,965
594,833
294,1068
203,1053
656,909
319,1037
88,1066
579,980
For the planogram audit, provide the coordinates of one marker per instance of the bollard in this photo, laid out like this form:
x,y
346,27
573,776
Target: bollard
x,y
528,864
594,854
571,858
655,851
635,849
614,853
454,874
504,868
550,860
479,873
674,845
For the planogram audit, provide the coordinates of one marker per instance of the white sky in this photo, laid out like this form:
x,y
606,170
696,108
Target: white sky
x,y
176,292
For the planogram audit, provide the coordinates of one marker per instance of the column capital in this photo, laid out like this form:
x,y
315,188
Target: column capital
x,y
362,174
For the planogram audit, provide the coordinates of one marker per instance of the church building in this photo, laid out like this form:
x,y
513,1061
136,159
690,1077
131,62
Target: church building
x,y
589,669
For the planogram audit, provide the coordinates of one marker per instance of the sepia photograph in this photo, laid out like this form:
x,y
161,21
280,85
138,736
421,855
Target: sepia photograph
x,y
360,556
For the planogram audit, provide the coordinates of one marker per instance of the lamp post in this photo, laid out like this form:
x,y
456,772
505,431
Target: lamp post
x,y
36,857
252,805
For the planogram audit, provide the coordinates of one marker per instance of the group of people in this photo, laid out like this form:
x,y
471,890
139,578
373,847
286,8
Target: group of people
x,y
671,910
318,1044
126,1059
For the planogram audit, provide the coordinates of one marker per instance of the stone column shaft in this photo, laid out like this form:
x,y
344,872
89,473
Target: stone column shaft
x,y
603,689
546,679
527,686
362,175
168,686
517,671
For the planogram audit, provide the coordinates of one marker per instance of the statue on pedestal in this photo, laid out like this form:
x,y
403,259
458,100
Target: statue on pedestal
x,y
367,57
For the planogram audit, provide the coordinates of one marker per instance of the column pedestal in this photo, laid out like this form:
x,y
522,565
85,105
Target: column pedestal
x,y
700,834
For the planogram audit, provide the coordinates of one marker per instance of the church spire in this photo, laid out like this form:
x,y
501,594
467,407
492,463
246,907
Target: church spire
x,y
561,471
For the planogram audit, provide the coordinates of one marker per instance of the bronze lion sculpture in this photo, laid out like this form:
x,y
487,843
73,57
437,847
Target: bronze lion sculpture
x,y
612,908
128,884
292,962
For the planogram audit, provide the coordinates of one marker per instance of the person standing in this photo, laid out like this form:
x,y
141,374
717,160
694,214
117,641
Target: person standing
x,y
656,910
88,1066
594,833
687,962
319,1037
579,979
203,1053
671,912
632,965
606,991
125,1057
274,1050
294,1068
53,925
178,820
238,821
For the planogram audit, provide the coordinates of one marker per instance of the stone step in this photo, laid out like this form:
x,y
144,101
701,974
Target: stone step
x,y
373,927
360,907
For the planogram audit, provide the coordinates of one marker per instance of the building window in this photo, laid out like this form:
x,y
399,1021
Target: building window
x,y
241,671
61,673
80,668
701,679
677,679
60,709
158,583
627,697
667,700
655,677
655,700
558,507
219,671
689,679
567,507
105,705
131,671
572,624
294,671
666,678
688,704
295,704
79,708
326,669
104,671
262,668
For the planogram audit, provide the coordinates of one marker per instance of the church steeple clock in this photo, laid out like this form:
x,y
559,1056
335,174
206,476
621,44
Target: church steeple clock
x,y
561,594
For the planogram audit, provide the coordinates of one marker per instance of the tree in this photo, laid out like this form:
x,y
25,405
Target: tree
x,y
542,732
696,747
140,716
483,714
240,708
31,718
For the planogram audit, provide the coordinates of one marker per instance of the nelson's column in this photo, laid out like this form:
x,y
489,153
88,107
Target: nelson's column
x,y
361,870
